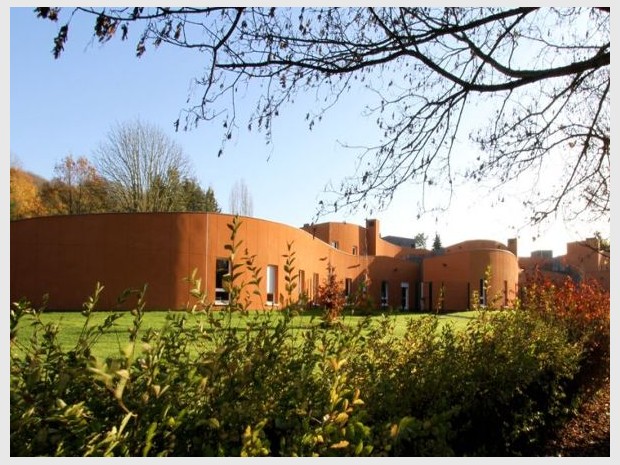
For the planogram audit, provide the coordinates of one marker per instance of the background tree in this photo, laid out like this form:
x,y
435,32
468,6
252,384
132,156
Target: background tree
x,y
604,244
25,200
420,240
76,188
437,243
240,200
144,167
539,75
210,202
197,199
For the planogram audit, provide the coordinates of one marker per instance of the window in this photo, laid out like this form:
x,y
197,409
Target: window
x,y
315,286
483,293
505,293
335,244
272,281
384,293
404,296
347,287
354,251
222,273
302,282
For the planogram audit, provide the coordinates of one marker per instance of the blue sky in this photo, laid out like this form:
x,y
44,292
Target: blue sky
x,y
66,106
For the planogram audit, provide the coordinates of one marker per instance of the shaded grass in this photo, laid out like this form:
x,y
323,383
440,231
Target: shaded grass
x,y
114,339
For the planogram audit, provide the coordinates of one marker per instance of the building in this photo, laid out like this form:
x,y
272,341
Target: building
x,y
584,260
65,256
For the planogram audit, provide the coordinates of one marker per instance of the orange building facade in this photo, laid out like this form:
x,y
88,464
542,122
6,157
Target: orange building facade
x,y
65,256
584,260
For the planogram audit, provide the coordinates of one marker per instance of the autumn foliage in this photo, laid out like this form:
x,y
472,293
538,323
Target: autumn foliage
x,y
76,188
582,307
331,296
24,191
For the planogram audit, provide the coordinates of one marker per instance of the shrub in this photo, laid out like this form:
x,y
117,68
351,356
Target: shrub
x,y
492,389
331,296
201,387
583,309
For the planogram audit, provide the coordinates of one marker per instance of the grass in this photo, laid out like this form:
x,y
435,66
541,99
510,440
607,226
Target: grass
x,y
70,324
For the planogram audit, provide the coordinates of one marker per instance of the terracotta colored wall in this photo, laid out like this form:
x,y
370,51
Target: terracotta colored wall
x,y
387,249
583,259
395,272
460,271
584,255
312,255
367,240
66,255
347,235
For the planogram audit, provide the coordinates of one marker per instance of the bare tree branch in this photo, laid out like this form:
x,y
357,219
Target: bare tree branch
x,y
541,73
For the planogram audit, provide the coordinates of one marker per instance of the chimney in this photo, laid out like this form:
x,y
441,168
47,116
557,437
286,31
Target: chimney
x,y
512,246
372,234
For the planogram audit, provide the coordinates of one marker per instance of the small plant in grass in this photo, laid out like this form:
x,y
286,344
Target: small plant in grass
x,y
441,299
362,302
486,301
331,296
290,279
231,280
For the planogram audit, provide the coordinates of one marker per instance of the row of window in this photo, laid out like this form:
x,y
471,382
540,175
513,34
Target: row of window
x,y
336,245
222,269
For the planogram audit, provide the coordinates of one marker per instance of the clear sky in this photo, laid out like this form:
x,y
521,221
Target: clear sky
x,y
66,107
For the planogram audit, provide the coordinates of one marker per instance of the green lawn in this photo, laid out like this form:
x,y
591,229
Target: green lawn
x,y
70,325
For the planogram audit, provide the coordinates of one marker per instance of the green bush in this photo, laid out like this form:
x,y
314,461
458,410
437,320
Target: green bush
x,y
198,387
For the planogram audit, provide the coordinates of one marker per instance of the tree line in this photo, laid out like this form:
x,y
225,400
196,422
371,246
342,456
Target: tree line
x,y
136,169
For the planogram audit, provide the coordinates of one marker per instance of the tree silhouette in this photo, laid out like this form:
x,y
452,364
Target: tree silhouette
x,y
523,83
437,243
145,168
76,188
240,200
420,240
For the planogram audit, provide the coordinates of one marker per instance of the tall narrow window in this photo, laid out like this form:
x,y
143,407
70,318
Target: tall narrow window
x,y
430,295
384,293
404,296
506,293
272,281
222,271
347,287
483,293
335,244
302,282
354,251
315,286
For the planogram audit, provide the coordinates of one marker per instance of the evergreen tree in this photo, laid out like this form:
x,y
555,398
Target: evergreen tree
x,y
437,243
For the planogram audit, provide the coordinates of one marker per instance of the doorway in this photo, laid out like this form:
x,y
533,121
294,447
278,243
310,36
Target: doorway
x,y
404,296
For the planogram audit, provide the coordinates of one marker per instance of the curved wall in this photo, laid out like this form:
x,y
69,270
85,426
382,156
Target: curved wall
x,y
460,273
65,256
